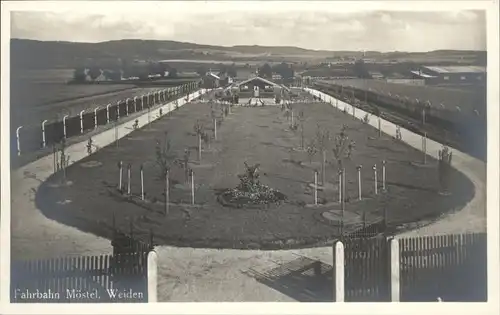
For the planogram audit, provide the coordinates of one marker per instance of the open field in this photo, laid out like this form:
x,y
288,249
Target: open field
x,y
256,135
467,99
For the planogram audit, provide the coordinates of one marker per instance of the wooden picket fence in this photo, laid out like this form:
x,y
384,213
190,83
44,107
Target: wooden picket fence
x,y
452,267
367,266
121,277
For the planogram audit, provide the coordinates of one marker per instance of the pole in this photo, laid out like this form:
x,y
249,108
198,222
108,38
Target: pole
x,y
375,178
81,121
43,133
129,168
120,166
18,142
315,187
359,181
383,175
142,183
107,113
135,103
95,117
64,125
126,106
192,187
117,110
215,128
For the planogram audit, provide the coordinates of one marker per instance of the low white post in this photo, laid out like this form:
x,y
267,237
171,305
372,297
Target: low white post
x,y
192,187
359,181
338,260
383,175
315,187
81,121
120,166
395,269
129,169
375,178
142,182
215,128
95,117
107,113
126,106
152,277
117,110
18,142
64,125
43,133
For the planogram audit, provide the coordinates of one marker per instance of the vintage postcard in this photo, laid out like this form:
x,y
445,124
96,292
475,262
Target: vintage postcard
x,y
340,152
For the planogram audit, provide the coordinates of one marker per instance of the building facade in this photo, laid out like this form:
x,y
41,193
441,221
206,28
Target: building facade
x,y
452,75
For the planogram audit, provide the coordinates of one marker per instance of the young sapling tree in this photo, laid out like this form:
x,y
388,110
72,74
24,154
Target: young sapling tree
x,y
301,118
444,169
199,130
322,143
165,158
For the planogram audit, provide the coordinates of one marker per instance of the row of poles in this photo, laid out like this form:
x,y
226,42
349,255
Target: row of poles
x,y
147,97
342,181
167,184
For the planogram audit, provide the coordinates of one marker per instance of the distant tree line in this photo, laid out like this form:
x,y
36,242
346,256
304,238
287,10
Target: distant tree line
x,y
143,71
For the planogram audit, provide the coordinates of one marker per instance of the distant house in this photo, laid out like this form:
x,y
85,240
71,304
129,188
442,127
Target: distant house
x,y
258,87
466,75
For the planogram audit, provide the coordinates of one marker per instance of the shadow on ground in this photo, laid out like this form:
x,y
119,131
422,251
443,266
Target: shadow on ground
x,y
303,279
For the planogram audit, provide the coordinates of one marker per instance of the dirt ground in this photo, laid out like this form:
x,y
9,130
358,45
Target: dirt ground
x,y
256,135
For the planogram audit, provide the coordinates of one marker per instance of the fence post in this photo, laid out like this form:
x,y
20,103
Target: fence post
x,y
152,277
375,178
95,117
338,272
107,113
43,133
18,142
118,110
135,103
395,269
126,106
64,125
81,121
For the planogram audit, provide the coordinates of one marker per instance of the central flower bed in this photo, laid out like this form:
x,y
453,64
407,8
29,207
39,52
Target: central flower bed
x,y
251,192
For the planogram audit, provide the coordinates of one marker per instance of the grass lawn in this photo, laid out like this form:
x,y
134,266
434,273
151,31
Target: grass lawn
x,y
255,135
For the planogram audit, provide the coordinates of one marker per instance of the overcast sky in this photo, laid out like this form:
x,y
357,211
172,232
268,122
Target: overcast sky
x,y
286,24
